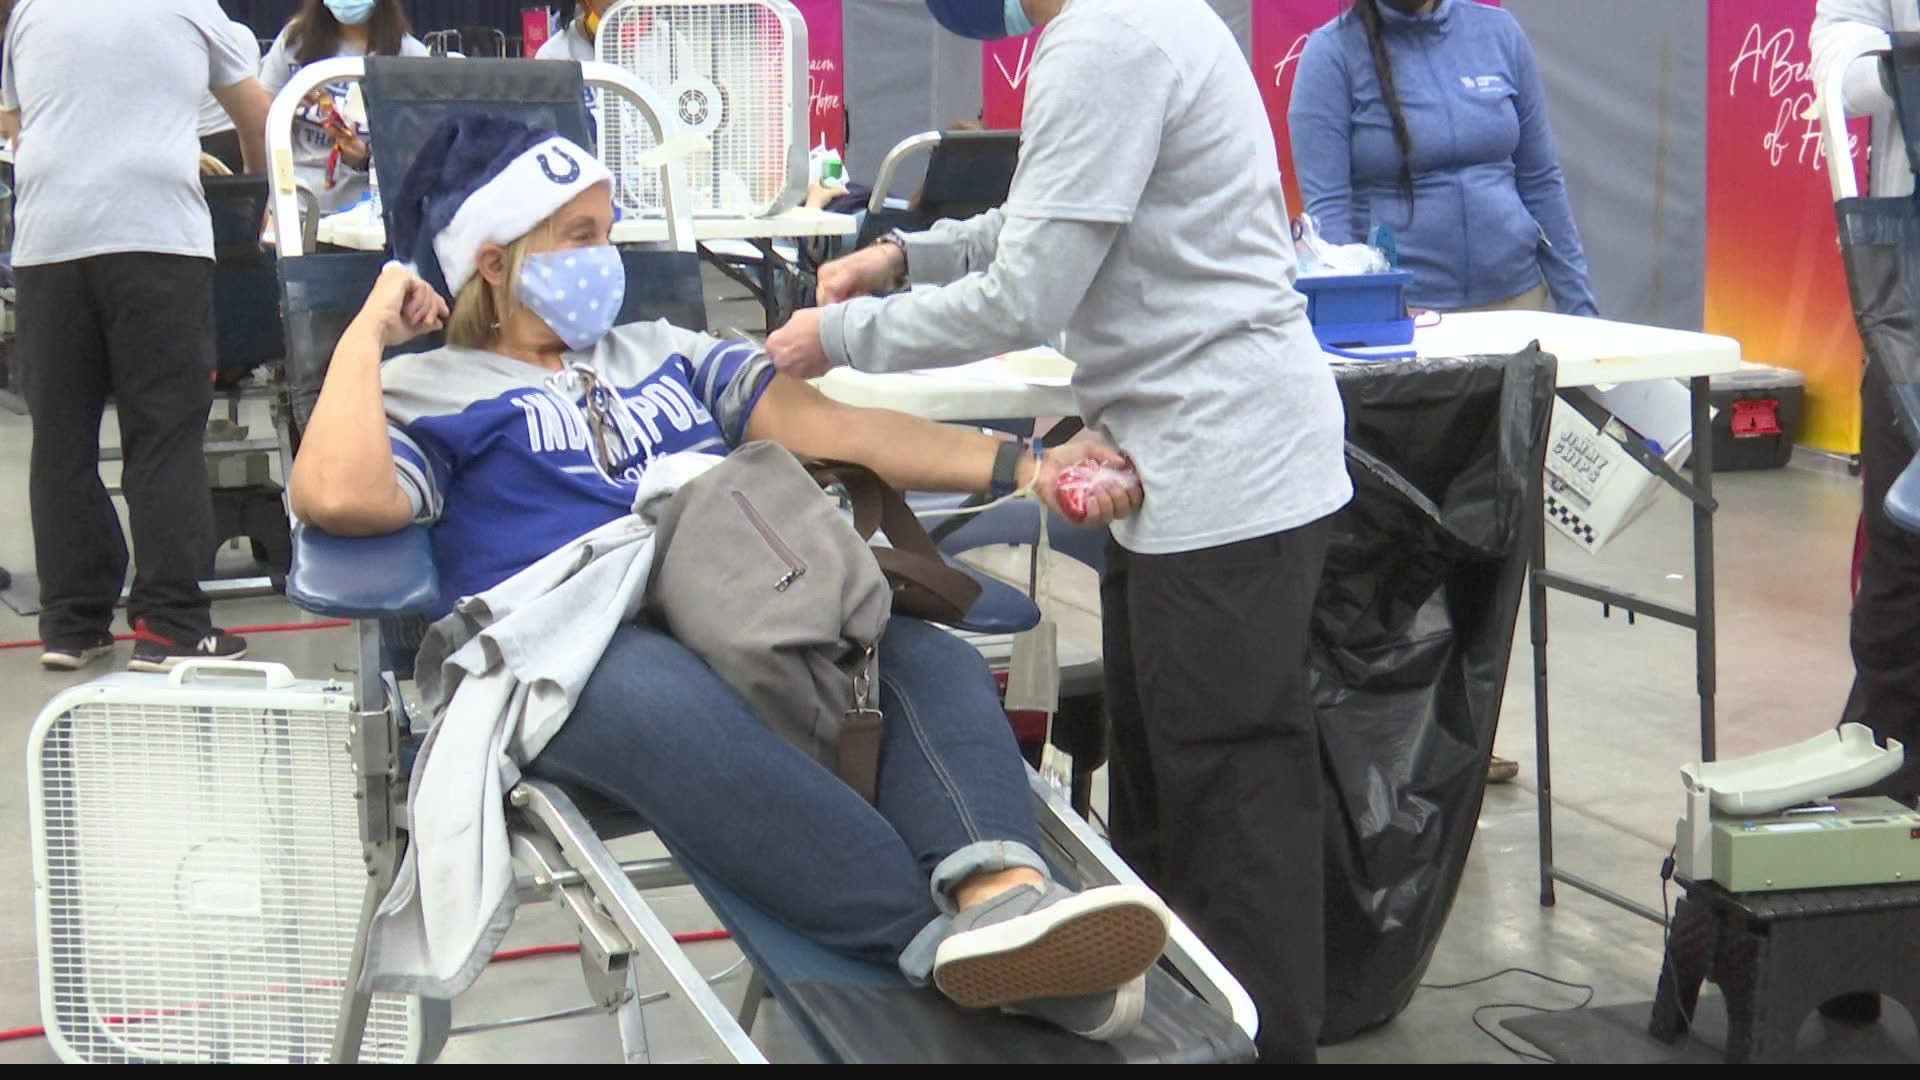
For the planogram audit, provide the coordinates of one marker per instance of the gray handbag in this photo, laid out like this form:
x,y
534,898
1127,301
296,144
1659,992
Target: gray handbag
x,y
757,572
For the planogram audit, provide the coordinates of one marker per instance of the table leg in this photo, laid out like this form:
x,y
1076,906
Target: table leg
x,y
1706,645
769,296
1537,620
1701,621
758,282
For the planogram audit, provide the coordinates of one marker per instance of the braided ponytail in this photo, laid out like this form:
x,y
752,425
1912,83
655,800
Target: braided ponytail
x,y
1368,12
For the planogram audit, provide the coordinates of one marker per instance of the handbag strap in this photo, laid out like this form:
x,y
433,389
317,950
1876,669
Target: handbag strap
x,y
913,560
877,507
866,492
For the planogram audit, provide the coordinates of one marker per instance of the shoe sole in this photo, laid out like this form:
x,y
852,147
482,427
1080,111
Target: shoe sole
x,y
161,667
73,661
1092,943
1502,772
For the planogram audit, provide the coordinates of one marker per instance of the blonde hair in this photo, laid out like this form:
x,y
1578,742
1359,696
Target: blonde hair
x,y
479,310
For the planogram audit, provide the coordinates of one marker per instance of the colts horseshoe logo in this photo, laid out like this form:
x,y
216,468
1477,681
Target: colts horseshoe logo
x,y
573,167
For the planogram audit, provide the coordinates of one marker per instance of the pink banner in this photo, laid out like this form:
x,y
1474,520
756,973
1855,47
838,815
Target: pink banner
x,y
1280,29
1003,80
826,72
535,26
1774,278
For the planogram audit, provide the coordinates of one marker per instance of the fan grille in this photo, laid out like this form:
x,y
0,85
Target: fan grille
x,y
720,70
203,884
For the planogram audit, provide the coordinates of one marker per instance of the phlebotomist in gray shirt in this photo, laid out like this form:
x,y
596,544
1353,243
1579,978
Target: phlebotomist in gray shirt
x,y
1147,220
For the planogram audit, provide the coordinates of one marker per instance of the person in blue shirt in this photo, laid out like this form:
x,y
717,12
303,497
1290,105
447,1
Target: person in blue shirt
x,y
1427,117
535,425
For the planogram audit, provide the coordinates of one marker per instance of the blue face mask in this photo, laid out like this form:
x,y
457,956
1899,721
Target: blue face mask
x,y
982,20
1018,25
352,12
577,291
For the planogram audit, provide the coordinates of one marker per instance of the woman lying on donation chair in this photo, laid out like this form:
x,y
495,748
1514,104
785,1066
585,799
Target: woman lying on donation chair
x,y
943,875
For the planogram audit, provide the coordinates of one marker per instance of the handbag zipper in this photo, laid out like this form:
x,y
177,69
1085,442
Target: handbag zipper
x,y
796,569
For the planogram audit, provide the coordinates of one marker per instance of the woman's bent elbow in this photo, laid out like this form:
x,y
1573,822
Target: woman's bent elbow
x,y
344,513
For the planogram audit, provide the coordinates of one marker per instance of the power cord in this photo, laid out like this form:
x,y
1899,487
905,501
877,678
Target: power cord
x,y
1667,868
1524,1055
1666,948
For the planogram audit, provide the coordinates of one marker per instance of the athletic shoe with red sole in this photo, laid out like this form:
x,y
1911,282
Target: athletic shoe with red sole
x,y
153,651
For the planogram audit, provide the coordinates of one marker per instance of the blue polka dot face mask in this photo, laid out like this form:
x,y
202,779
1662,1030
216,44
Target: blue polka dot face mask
x,y
577,291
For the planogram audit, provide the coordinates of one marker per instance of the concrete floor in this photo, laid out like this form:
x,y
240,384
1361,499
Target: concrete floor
x,y
1625,720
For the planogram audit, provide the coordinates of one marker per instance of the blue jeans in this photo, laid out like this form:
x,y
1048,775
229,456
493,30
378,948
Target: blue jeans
x,y
656,730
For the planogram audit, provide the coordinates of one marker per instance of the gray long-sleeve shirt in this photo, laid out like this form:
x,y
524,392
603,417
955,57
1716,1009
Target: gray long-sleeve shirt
x,y
1842,31
1147,220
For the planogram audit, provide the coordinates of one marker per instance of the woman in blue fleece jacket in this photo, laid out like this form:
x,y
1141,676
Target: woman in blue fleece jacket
x,y
1428,117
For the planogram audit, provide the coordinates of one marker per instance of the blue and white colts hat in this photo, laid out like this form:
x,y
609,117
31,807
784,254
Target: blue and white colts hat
x,y
481,180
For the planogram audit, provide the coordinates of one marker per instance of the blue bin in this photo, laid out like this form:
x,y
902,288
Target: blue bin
x,y
1359,311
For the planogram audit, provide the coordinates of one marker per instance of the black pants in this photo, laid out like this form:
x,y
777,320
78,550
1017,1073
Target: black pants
x,y
1886,613
138,327
1216,759
226,147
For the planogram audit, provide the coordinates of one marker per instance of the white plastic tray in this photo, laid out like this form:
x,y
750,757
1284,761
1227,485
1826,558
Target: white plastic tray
x,y
1819,768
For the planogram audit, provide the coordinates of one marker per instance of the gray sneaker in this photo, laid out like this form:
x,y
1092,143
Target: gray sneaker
x,y
1100,1017
1067,957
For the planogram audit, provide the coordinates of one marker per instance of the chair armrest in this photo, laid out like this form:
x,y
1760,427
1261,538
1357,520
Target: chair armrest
x,y
1018,523
374,577
907,149
1001,609
1903,498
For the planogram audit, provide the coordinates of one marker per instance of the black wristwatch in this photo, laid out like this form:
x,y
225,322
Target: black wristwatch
x,y
1006,470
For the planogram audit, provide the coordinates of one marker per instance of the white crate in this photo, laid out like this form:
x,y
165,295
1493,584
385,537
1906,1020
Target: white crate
x,y
1594,488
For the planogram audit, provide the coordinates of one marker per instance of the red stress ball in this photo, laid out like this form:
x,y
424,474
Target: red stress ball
x,y
1079,483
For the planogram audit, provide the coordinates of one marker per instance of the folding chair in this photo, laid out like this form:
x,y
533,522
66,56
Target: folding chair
x,y
249,342
848,1011
967,174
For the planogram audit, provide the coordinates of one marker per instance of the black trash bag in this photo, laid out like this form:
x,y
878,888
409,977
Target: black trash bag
x,y
1411,636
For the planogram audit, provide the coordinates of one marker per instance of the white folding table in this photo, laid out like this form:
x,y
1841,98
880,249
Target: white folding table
x,y
360,229
1591,353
